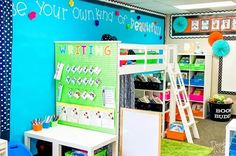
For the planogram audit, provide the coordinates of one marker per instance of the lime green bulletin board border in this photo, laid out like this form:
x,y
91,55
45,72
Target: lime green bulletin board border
x,y
86,54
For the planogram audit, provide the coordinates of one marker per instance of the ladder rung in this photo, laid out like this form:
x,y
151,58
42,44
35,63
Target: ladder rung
x,y
180,90
191,123
185,106
177,73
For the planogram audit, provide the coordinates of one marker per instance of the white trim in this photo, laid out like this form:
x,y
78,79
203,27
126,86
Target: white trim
x,y
133,7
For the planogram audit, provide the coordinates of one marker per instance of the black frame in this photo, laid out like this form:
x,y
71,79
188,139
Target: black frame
x,y
202,16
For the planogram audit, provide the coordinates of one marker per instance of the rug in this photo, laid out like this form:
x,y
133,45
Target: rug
x,y
178,148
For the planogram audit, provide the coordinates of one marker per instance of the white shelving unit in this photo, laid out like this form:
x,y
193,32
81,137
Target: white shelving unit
x,y
162,97
190,69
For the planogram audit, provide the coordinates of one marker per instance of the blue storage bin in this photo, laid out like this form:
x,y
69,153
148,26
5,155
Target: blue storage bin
x,y
196,82
18,149
234,140
186,82
232,152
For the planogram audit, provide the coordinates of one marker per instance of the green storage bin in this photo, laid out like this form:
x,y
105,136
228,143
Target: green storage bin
x,y
102,153
69,153
197,67
183,66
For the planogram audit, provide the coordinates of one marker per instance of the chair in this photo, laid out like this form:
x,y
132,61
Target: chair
x,y
18,149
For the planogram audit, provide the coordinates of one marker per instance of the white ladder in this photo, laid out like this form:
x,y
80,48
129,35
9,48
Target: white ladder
x,y
183,104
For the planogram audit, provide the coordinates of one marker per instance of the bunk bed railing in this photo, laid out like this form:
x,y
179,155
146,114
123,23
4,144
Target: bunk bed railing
x,y
136,58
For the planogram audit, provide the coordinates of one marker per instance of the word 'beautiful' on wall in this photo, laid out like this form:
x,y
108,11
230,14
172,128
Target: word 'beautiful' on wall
x,y
43,8
97,50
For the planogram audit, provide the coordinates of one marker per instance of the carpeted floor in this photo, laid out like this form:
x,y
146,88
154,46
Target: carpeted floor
x,y
212,134
178,148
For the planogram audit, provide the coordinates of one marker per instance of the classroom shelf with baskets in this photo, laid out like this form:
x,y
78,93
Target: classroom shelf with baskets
x,y
196,72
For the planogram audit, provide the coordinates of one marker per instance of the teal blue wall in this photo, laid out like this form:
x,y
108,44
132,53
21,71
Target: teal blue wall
x,y
33,49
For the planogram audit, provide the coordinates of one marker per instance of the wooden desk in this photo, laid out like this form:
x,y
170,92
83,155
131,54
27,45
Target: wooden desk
x,y
73,137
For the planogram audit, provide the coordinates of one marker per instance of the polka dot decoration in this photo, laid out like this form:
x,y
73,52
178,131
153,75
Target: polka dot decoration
x,y
5,65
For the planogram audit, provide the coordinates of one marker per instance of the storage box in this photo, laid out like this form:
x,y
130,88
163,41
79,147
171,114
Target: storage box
x,y
183,66
167,96
196,82
69,153
193,97
151,106
148,85
197,67
186,82
175,135
102,153
197,113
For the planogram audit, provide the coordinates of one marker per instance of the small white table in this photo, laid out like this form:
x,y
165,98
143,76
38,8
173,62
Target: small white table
x,y
231,127
73,137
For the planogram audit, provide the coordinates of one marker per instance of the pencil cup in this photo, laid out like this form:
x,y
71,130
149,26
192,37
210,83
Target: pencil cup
x,y
37,127
46,125
54,123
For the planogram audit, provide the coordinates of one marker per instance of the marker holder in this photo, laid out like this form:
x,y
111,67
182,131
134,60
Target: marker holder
x,y
54,123
37,127
46,125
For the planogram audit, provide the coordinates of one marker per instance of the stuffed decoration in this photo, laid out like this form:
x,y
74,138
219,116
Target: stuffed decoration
x,y
180,24
113,38
32,15
228,101
220,48
214,37
106,37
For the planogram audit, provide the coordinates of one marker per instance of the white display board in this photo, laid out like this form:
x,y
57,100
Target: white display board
x,y
140,133
227,71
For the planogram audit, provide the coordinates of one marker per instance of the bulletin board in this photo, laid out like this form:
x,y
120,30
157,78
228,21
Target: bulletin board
x,y
86,86
140,133
227,78
202,24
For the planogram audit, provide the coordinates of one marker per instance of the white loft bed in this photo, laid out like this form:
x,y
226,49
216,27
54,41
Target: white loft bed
x,y
169,56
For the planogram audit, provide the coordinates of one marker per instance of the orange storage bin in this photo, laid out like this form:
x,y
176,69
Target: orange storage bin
x,y
175,135
198,113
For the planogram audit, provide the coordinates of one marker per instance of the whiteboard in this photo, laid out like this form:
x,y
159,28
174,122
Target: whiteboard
x,y
140,133
227,71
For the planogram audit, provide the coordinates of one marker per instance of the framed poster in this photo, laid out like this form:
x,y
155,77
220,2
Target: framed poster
x,y
205,24
233,23
215,24
195,25
225,24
